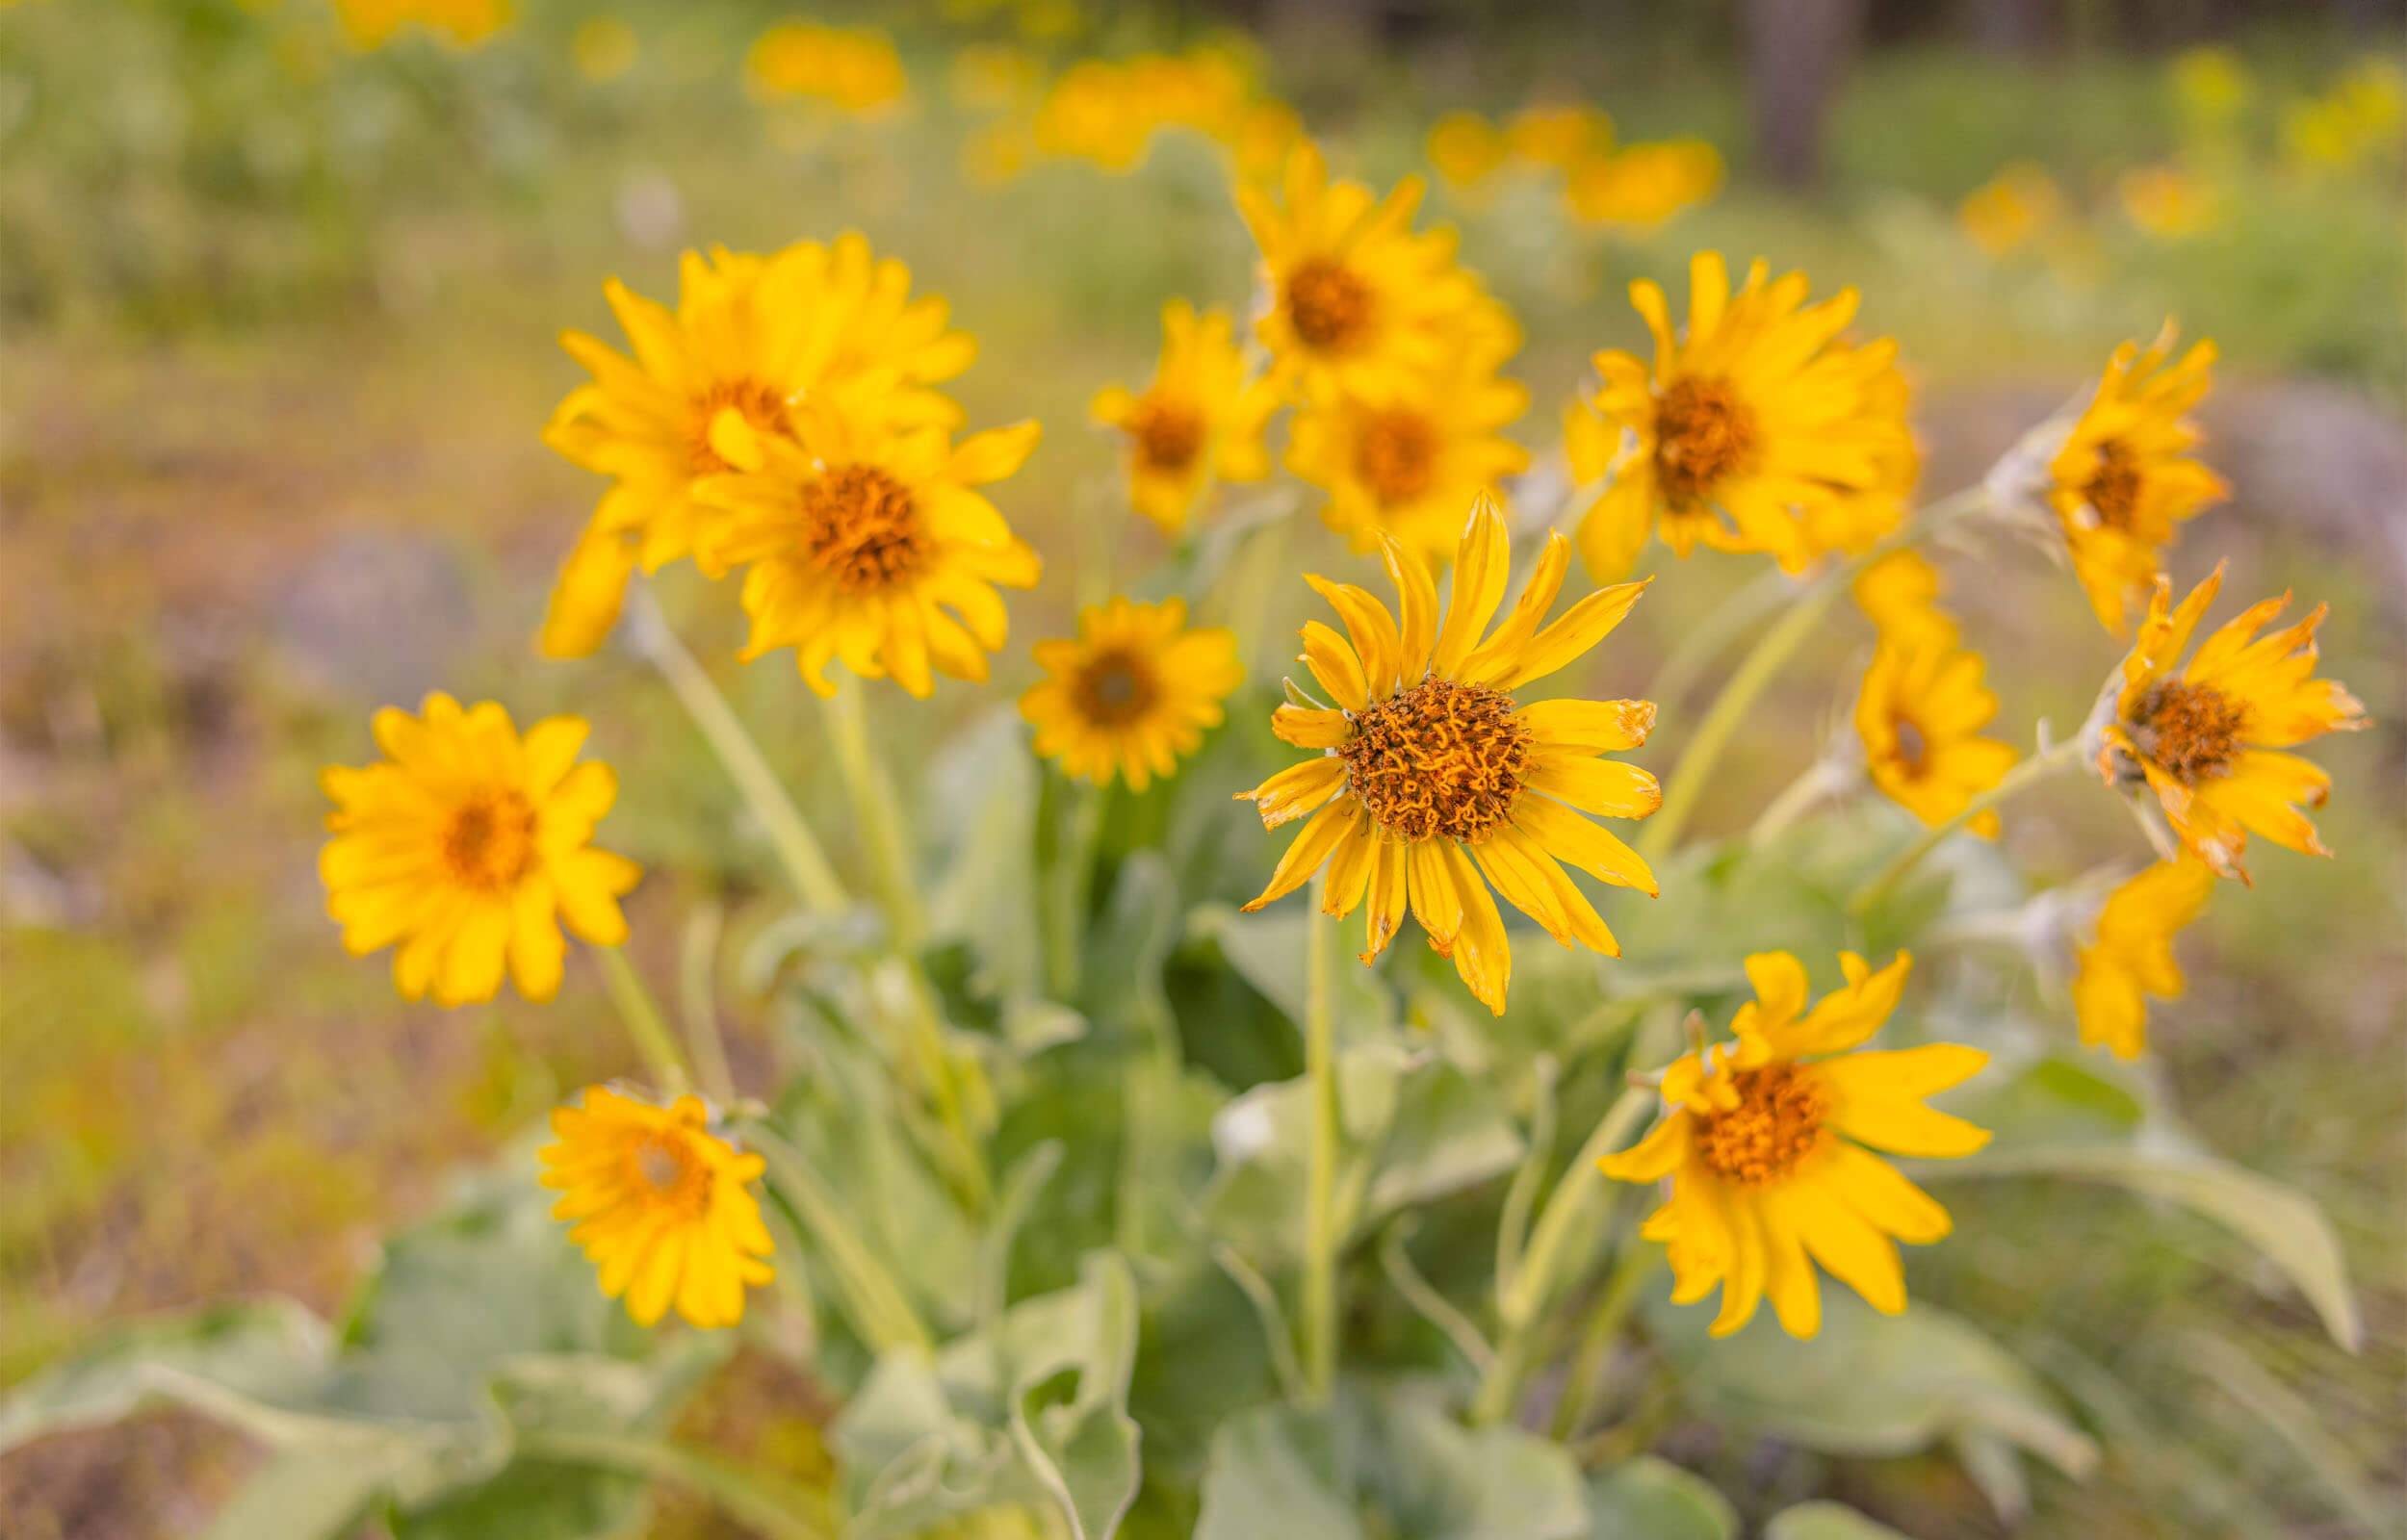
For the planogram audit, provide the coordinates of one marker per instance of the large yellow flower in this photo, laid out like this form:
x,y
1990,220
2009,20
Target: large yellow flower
x,y
1198,423
2208,739
1920,715
663,1206
1766,1148
750,337
2123,479
1356,295
2132,955
466,845
1406,456
1755,429
1133,691
1433,781
867,543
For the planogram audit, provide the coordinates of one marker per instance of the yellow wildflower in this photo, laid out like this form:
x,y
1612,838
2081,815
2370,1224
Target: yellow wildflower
x,y
2132,955
853,70
1131,693
1464,149
1920,716
1200,421
1558,136
458,23
1641,188
1900,593
2168,202
2011,210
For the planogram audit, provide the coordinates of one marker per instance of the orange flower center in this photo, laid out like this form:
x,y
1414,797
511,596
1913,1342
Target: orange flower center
x,y
1169,436
1329,306
760,405
1395,454
491,842
1438,759
2112,491
1703,432
1774,1125
1114,688
2188,730
863,526
669,1173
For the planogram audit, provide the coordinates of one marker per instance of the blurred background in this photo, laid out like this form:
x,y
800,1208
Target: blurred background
x,y
279,287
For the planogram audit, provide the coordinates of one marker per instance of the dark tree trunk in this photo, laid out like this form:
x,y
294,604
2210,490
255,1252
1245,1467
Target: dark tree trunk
x,y
1796,55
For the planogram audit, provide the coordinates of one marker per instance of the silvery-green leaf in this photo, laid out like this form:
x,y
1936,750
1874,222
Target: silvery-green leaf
x,y
1826,1521
1649,1499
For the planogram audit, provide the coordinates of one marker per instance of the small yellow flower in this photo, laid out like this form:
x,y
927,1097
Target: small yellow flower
x,y
1133,692
1464,149
1406,457
2208,740
1769,1148
458,23
2123,480
1200,421
604,48
2170,203
1433,782
1355,296
867,543
1641,188
1756,429
1920,715
2132,955
663,1206
854,71
1900,593
2357,119
1558,136
750,336
2011,210
466,846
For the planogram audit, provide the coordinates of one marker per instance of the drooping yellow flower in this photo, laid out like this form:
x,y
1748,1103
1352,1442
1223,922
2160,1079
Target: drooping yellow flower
x,y
1769,1148
1464,149
1131,693
1433,781
2132,955
867,543
664,1207
1406,457
1639,189
466,846
853,71
2208,739
1357,297
1920,716
460,23
1755,429
750,336
1200,421
1900,593
2011,210
2124,480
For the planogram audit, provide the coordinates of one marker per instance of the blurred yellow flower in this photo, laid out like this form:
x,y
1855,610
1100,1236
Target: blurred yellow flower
x,y
663,1206
2212,85
749,336
1133,692
1769,1148
1464,149
853,70
2208,740
868,544
1641,188
1198,423
604,48
1558,136
2123,480
466,846
1756,429
2170,203
2357,119
1920,716
2011,210
2132,955
1092,114
1900,593
1356,295
1431,781
460,23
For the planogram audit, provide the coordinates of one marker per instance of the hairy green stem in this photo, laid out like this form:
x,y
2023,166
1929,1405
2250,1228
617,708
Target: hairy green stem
x,y
1320,1199
879,1308
641,1015
698,999
880,815
1580,1391
2030,773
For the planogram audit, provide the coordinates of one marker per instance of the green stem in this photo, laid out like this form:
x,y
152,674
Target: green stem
x,y
772,1508
697,967
1070,884
880,815
1822,779
642,1019
1720,626
1320,1199
796,847
2030,773
1604,1327
880,1311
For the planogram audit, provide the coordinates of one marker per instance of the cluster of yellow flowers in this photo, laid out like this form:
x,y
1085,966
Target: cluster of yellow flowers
x,y
1632,188
787,419
458,23
1109,113
851,71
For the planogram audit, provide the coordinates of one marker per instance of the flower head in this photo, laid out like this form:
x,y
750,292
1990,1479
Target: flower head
x,y
2132,955
663,1206
1769,1143
1200,421
1433,781
2123,480
853,71
751,336
2011,210
868,543
1755,429
1899,595
1920,715
1639,187
466,846
2207,738
1133,691
1464,149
